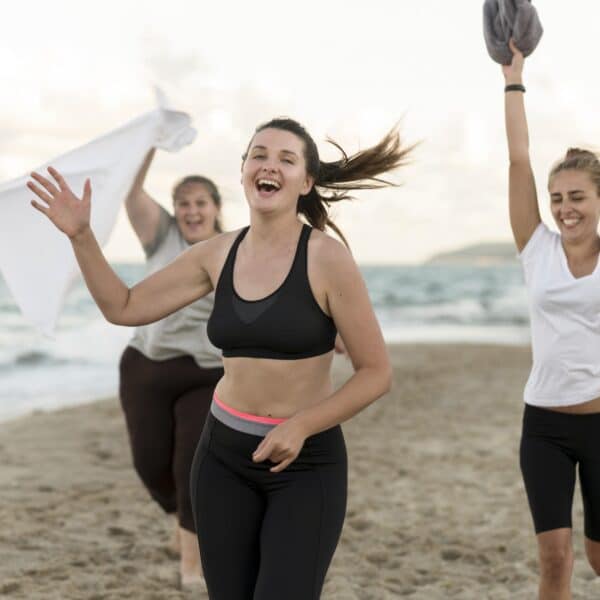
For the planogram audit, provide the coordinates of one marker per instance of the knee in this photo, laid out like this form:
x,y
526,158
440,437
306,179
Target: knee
x,y
556,563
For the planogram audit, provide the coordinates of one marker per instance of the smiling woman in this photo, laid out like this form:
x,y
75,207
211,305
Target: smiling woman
x,y
268,480
562,394
169,369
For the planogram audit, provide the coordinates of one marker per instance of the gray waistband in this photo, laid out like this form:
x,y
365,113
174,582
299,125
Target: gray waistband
x,y
239,423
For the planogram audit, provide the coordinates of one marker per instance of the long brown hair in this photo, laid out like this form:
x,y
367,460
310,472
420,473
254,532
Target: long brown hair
x,y
334,181
210,186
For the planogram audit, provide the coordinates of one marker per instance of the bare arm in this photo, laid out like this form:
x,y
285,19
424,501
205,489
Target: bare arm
x,y
353,315
523,203
164,292
355,320
142,210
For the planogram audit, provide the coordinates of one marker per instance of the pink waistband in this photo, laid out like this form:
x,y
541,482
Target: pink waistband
x,y
246,416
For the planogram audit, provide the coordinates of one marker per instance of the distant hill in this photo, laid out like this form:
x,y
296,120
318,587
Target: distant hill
x,y
478,254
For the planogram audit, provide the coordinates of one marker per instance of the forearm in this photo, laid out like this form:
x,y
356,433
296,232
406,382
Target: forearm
x,y
364,387
108,291
517,134
138,182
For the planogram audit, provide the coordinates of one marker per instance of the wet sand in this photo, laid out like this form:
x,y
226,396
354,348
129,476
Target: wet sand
x,y
436,505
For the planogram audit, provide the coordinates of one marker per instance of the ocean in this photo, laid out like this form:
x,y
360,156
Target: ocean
x,y
426,303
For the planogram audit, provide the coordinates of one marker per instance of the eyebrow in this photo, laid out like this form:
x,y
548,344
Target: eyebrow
x,y
569,192
257,147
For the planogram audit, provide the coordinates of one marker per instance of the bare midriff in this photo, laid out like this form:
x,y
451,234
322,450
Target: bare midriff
x,y
275,388
585,408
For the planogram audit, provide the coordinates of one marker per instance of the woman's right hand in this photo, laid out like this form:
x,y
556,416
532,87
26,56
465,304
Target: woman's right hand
x,y
513,73
69,213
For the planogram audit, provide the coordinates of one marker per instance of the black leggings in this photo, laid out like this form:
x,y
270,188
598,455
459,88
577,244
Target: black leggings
x,y
263,535
165,405
552,445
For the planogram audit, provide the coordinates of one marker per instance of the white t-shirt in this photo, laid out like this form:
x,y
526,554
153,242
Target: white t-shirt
x,y
565,325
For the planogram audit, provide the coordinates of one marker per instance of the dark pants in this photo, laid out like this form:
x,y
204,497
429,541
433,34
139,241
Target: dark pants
x,y
165,405
263,535
553,445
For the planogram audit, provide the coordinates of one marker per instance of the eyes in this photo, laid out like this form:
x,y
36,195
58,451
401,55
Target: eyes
x,y
283,159
558,199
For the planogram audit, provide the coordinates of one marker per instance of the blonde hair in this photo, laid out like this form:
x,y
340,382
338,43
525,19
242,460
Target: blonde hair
x,y
577,159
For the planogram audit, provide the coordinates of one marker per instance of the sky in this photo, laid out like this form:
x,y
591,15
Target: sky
x,y
71,71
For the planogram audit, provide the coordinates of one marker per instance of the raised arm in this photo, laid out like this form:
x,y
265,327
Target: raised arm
x,y
142,210
523,203
164,292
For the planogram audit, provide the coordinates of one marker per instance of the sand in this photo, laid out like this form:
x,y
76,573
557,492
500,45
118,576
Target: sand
x,y
436,506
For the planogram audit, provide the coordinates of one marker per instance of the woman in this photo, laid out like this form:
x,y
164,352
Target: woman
x,y
169,369
562,411
269,477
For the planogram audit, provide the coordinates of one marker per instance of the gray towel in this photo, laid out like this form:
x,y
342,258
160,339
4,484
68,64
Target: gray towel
x,y
503,19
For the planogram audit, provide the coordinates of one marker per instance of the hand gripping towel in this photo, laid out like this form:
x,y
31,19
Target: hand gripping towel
x,y
503,19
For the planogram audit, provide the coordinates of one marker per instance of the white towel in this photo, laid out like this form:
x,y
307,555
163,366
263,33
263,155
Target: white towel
x,y
36,259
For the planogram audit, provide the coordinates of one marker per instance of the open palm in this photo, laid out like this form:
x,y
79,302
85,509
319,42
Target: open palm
x,y
69,213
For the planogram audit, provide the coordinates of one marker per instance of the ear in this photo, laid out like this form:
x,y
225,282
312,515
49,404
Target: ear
x,y
308,184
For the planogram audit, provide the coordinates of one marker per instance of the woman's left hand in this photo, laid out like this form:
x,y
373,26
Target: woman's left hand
x,y
281,445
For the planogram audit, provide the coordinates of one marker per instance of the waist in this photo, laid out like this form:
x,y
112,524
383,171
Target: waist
x,y
242,421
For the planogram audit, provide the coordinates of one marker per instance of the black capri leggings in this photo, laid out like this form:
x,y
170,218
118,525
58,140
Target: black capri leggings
x,y
552,445
165,405
263,535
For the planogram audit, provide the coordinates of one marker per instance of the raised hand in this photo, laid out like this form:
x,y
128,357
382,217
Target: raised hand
x,y
69,213
513,73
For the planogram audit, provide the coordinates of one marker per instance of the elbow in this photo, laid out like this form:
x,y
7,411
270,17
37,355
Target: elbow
x,y
387,380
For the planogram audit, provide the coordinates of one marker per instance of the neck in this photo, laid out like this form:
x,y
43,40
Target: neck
x,y
581,250
275,230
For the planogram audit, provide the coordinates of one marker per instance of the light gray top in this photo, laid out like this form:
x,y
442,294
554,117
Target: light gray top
x,y
184,332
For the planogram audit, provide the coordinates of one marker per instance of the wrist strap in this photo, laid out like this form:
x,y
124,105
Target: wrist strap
x,y
514,87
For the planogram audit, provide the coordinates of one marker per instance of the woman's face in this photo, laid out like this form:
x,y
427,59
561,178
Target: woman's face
x,y
274,172
575,204
195,212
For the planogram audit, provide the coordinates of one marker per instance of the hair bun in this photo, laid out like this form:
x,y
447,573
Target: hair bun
x,y
580,153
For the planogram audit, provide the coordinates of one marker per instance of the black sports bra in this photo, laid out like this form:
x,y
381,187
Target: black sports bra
x,y
287,324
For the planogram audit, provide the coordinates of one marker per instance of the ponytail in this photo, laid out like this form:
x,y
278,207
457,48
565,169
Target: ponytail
x,y
334,181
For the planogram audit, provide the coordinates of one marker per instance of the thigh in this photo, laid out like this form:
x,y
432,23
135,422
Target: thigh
x,y
549,475
300,532
228,515
589,477
147,407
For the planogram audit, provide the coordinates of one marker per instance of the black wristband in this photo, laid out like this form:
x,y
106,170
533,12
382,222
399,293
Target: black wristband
x,y
514,87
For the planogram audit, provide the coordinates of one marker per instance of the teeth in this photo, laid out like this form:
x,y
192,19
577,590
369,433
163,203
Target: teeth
x,y
270,182
570,222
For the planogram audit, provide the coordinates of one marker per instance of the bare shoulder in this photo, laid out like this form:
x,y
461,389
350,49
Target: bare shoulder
x,y
330,262
329,253
212,253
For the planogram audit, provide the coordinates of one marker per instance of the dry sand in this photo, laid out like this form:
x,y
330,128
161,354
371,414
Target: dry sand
x,y
436,504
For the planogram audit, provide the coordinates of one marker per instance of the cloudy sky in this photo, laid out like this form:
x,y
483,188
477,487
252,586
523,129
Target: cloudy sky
x,y
347,69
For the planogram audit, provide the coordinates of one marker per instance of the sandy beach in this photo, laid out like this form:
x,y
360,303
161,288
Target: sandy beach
x,y
436,505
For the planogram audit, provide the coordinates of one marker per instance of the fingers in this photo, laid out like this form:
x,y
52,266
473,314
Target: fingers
x,y
513,47
47,198
45,183
39,207
87,191
62,184
268,450
282,465
263,450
